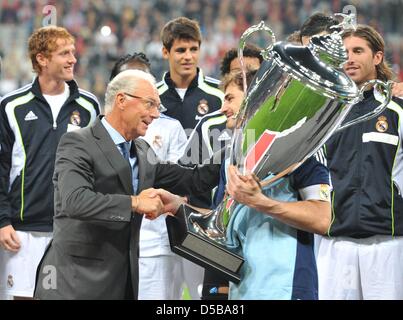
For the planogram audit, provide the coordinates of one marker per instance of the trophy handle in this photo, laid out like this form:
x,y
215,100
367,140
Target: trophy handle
x,y
388,89
242,42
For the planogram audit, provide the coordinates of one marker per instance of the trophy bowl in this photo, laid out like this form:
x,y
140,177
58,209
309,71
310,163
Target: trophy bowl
x,y
299,97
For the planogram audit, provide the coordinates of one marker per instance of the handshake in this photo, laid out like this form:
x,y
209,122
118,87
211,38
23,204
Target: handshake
x,y
154,202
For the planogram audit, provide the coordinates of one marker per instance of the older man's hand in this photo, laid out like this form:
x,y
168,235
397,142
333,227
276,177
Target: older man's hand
x,y
171,201
148,203
154,202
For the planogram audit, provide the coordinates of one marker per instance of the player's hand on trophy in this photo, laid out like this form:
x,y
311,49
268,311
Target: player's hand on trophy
x,y
148,203
397,89
244,189
171,201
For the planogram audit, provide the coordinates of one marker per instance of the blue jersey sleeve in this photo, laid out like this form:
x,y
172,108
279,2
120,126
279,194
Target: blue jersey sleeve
x,y
220,192
311,172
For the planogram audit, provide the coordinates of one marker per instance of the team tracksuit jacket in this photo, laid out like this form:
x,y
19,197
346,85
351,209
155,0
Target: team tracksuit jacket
x,y
28,142
366,166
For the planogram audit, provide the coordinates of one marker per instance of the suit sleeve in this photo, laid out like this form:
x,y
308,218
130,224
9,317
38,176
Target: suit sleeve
x,y
6,147
187,180
74,181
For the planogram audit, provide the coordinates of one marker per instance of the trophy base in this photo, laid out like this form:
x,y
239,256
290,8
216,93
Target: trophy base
x,y
188,243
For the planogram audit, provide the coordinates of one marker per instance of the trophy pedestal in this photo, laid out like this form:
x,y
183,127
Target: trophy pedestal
x,y
188,243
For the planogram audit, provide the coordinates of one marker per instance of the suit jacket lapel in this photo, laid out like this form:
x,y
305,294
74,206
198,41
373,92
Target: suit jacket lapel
x,y
111,152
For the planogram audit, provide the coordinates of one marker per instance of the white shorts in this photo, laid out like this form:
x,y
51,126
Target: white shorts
x,y
356,269
159,278
18,269
5,297
163,277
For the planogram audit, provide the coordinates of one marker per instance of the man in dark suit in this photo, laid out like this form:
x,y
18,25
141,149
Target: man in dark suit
x,y
94,252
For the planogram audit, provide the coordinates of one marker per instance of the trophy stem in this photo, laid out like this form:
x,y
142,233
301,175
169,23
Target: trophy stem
x,y
212,224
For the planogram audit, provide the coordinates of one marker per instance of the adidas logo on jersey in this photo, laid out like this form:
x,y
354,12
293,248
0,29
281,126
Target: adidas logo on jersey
x,y
224,136
197,118
30,116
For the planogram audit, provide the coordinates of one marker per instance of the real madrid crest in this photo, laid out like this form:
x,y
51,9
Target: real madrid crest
x,y
75,118
202,108
157,142
324,192
10,281
382,124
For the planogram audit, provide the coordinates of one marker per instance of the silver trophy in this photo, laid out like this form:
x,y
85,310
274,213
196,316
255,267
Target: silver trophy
x,y
297,100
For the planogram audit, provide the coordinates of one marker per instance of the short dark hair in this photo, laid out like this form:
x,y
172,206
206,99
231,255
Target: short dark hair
x,y
180,28
250,51
136,57
317,23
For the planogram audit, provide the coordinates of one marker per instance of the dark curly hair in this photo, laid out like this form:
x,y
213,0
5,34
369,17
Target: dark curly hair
x,y
250,51
136,57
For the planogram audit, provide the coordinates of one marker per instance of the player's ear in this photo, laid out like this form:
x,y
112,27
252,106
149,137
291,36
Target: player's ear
x,y
165,53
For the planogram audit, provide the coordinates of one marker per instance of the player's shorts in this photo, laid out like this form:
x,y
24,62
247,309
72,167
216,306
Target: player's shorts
x,y
356,269
18,269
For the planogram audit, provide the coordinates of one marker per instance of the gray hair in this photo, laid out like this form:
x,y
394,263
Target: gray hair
x,y
126,81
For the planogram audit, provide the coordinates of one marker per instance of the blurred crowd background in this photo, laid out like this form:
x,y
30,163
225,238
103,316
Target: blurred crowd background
x,y
106,29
